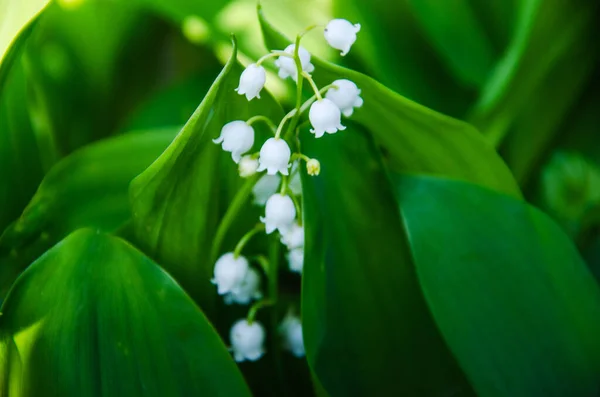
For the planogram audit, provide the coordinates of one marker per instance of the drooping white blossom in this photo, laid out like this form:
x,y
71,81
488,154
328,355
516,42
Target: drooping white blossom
x,y
296,259
247,166
252,81
247,340
274,157
287,66
247,290
291,335
325,117
293,237
229,273
313,167
236,137
280,213
346,96
341,34
266,186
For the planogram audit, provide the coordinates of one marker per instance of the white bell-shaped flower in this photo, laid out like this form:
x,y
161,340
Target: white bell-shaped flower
x,y
345,96
341,34
247,166
229,273
247,340
313,167
280,213
296,259
295,182
237,137
252,80
266,186
287,66
325,117
248,289
274,157
291,334
293,237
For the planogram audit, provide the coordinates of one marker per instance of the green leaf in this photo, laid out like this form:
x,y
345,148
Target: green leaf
x,y
393,48
95,317
367,329
178,201
546,33
416,138
498,19
459,37
16,15
85,189
509,292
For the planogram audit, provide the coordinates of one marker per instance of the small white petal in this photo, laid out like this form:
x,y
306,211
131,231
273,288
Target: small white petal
x,y
280,213
291,333
274,157
293,237
252,81
247,166
325,116
236,137
341,34
287,66
266,186
296,260
345,96
229,272
247,290
247,340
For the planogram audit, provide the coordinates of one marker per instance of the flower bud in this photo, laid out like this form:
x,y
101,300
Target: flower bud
x,y
293,237
325,116
252,80
229,273
296,259
287,66
248,166
237,137
345,96
247,340
279,213
291,334
248,289
341,34
313,167
266,186
274,157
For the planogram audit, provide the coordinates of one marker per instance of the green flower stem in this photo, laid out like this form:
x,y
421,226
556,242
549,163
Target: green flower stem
x,y
313,85
288,116
244,240
300,156
232,211
310,100
284,184
263,262
273,54
265,119
298,208
256,307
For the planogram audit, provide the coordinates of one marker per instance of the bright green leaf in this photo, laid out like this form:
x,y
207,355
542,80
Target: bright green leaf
x,y
85,189
509,292
367,329
95,317
16,15
178,201
416,138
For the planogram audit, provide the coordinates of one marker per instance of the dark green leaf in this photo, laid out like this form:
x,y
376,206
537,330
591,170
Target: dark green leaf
x,y
95,317
416,138
179,200
509,292
87,188
459,37
367,329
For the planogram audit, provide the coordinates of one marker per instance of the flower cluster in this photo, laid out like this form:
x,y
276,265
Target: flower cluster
x,y
279,188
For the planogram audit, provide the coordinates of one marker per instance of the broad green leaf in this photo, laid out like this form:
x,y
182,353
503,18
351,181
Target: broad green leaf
x,y
498,19
546,32
16,15
416,138
85,189
95,317
393,48
459,37
367,329
178,201
509,292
